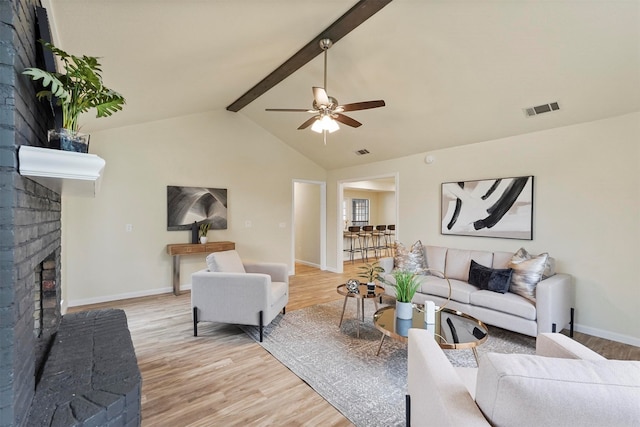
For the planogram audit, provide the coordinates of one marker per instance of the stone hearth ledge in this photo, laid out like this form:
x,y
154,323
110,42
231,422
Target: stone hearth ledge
x,y
91,376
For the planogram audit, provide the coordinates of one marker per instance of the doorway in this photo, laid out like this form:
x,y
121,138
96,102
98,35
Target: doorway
x,y
379,194
309,224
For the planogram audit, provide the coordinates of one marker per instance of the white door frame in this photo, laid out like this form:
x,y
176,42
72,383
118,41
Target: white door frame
x,y
323,223
340,230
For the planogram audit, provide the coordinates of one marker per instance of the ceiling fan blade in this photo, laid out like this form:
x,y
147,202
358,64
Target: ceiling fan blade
x,y
307,123
365,105
346,120
320,95
292,110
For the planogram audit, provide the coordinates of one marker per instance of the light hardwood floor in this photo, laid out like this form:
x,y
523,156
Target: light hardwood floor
x,y
224,378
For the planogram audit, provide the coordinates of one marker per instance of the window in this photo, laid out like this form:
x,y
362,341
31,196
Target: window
x,y
360,211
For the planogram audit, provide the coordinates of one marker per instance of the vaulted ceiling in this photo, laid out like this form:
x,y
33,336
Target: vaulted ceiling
x,y
451,72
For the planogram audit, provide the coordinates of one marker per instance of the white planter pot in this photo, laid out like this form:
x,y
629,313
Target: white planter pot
x,y
203,239
404,310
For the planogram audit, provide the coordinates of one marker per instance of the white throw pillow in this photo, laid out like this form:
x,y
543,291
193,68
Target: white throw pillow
x,y
225,262
527,273
411,260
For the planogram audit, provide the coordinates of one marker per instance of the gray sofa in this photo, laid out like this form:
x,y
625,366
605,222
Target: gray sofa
x,y
554,294
564,384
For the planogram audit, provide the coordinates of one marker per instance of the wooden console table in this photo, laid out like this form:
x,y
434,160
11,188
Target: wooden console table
x,y
177,249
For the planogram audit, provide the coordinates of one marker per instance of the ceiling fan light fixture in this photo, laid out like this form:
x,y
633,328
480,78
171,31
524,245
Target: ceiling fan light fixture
x,y
326,123
327,109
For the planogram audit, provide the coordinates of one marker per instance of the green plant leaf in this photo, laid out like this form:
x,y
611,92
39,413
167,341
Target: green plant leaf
x,y
78,89
48,79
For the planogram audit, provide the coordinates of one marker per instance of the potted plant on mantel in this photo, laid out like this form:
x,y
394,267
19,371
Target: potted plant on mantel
x,y
406,284
76,91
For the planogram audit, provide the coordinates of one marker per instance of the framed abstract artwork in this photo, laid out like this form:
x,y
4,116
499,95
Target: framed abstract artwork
x,y
202,205
501,207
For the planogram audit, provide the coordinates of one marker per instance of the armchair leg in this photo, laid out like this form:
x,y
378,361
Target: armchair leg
x,y
284,310
195,321
571,323
408,409
261,325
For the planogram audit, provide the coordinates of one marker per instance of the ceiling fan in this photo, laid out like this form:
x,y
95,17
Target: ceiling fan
x,y
326,109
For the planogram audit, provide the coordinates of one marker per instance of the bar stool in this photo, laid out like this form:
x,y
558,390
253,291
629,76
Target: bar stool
x,y
390,237
355,245
380,241
366,241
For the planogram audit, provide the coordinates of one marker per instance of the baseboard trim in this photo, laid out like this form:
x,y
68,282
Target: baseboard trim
x,y
310,264
128,295
613,336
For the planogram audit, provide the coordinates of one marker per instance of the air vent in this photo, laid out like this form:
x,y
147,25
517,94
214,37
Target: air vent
x,y
540,109
362,152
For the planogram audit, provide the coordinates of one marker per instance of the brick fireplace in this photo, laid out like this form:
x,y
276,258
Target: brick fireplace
x,y
46,358
30,226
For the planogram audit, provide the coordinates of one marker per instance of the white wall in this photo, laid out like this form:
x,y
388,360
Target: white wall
x,y
386,207
586,214
307,223
218,149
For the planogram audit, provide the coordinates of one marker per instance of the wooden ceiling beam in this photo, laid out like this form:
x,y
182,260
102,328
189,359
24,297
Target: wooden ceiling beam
x,y
355,16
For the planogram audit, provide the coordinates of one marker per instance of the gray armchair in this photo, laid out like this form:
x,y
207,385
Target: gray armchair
x,y
244,293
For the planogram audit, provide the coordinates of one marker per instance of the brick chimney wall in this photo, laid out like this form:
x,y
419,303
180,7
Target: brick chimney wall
x,y
29,213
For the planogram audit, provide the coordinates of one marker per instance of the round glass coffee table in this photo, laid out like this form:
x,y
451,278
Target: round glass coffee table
x,y
362,294
452,329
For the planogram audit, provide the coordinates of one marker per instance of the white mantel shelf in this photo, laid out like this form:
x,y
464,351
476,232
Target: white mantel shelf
x,y
65,172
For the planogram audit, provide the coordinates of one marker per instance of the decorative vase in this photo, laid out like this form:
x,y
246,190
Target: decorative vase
x,y
402,326
203,239
404,310
67,140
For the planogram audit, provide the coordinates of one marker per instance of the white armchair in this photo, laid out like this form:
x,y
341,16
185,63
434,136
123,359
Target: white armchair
x,y
564,384
244,293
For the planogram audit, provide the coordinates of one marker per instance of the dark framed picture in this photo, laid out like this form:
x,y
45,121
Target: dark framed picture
x,y
500,207
200,204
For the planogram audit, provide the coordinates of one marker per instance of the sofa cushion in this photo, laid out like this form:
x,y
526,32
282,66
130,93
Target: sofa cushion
x,y
527,272
411,260
225,262
460,291
502,259
492,279
527,390
507,303
436,258
459,261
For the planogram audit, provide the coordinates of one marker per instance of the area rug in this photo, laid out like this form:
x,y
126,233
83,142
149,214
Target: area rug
x,y
368,390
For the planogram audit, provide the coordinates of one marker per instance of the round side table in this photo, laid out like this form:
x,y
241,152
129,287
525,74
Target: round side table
x,y
362,294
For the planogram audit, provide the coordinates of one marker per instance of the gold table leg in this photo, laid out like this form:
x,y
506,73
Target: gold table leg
x,y
343,307
380,346
475,353
358,317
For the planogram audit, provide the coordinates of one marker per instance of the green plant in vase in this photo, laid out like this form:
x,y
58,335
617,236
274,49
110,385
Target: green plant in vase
x,y
76,91
406,285
371,272
203,230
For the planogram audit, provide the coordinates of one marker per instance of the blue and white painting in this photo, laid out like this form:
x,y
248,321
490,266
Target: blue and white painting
x,y
501,207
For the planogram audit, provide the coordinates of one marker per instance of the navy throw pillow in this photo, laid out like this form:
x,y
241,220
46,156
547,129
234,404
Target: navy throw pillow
x,y
479,275
500,280
496,280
